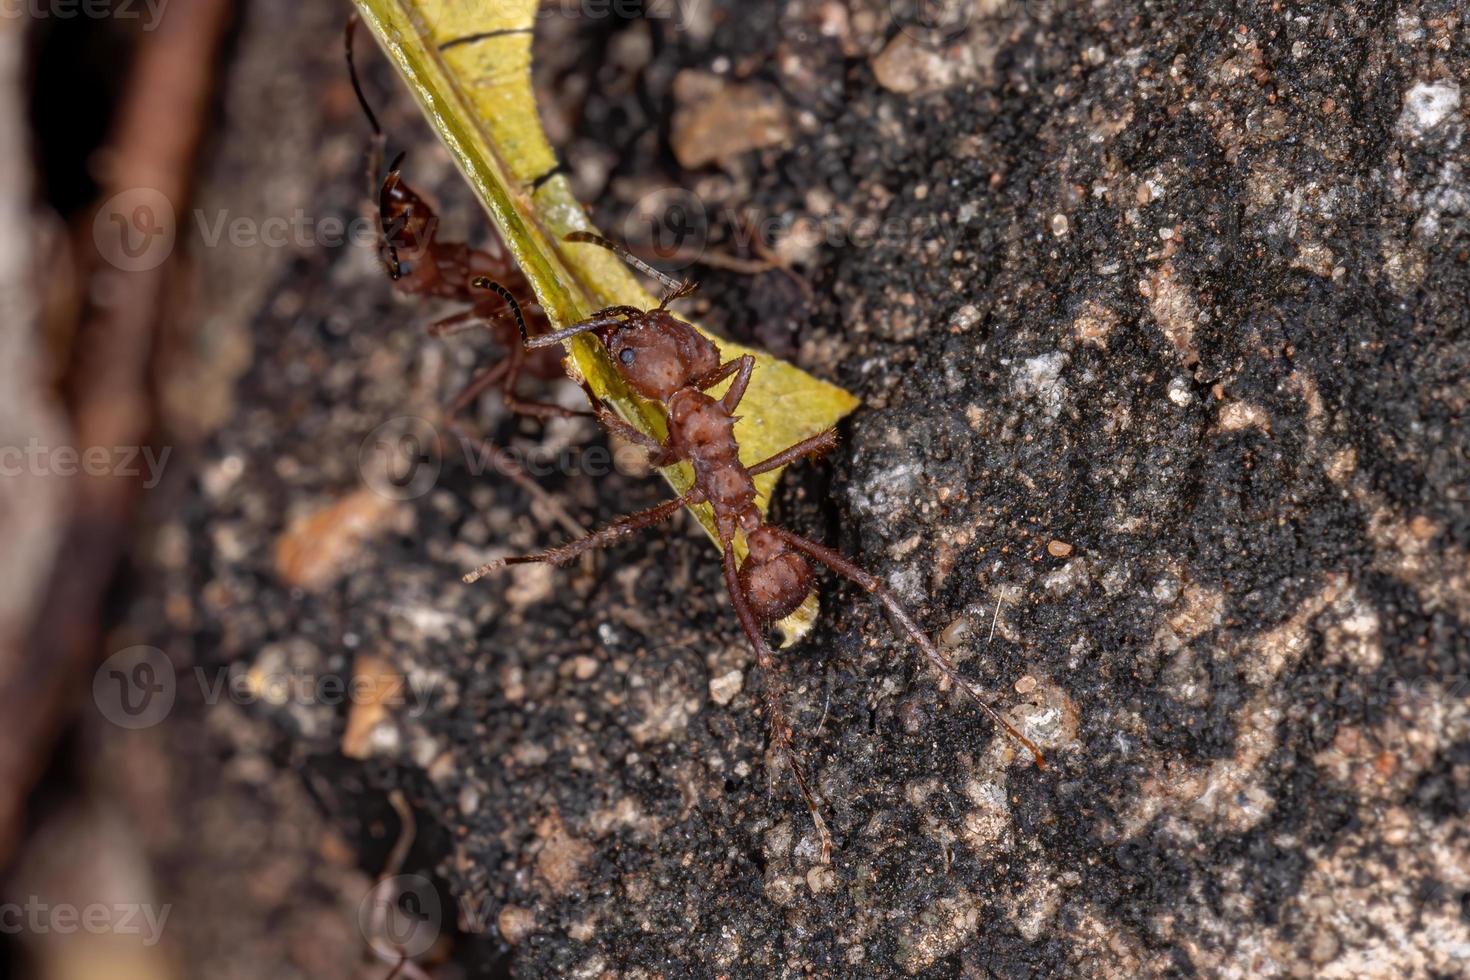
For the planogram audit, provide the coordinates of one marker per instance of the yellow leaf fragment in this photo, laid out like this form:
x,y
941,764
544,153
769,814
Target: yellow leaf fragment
x,y
468,62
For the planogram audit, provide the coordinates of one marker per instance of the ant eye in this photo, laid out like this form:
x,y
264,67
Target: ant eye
x,y
627,354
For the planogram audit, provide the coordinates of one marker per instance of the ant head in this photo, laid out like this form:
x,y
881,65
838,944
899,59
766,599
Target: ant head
x,y
657,353
407,222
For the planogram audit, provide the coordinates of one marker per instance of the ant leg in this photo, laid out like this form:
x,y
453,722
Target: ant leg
x,y
840,564
742,367
780,728
455,323
479,384
707,381
731,401
618,427
685,288
498,459
517,360
822,442
563,554
661,455
487,455
486,452
504,369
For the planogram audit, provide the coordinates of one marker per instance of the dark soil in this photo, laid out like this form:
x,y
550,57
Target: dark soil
x,y
1163,347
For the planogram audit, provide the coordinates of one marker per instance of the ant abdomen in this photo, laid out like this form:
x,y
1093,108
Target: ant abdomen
x,y
775,579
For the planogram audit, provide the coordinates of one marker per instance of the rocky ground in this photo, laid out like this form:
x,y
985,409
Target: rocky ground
x,y
1158,315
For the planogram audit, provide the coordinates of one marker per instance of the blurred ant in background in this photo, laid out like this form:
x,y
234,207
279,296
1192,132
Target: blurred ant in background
x,y
419,264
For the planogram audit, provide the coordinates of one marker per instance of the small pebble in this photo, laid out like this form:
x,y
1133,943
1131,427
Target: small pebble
x,y
1059,225
515,923
912,716
1025,684
722,689
955,633
1058,549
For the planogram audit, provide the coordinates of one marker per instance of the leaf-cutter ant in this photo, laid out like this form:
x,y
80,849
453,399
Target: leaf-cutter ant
x,y
665,360
421,265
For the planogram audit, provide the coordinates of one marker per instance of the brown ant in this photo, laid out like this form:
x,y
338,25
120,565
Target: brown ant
x,y
421,265
665,360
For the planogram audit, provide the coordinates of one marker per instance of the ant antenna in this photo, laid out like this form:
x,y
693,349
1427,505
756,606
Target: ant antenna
x,y
481,282
391,182
545,340
347,37
387,227
676,288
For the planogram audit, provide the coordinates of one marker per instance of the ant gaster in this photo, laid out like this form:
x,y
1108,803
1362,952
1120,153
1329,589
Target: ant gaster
x,y
665,360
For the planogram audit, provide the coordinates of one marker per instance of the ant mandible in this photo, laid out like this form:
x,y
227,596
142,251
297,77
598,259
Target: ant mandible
x,y
666,360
